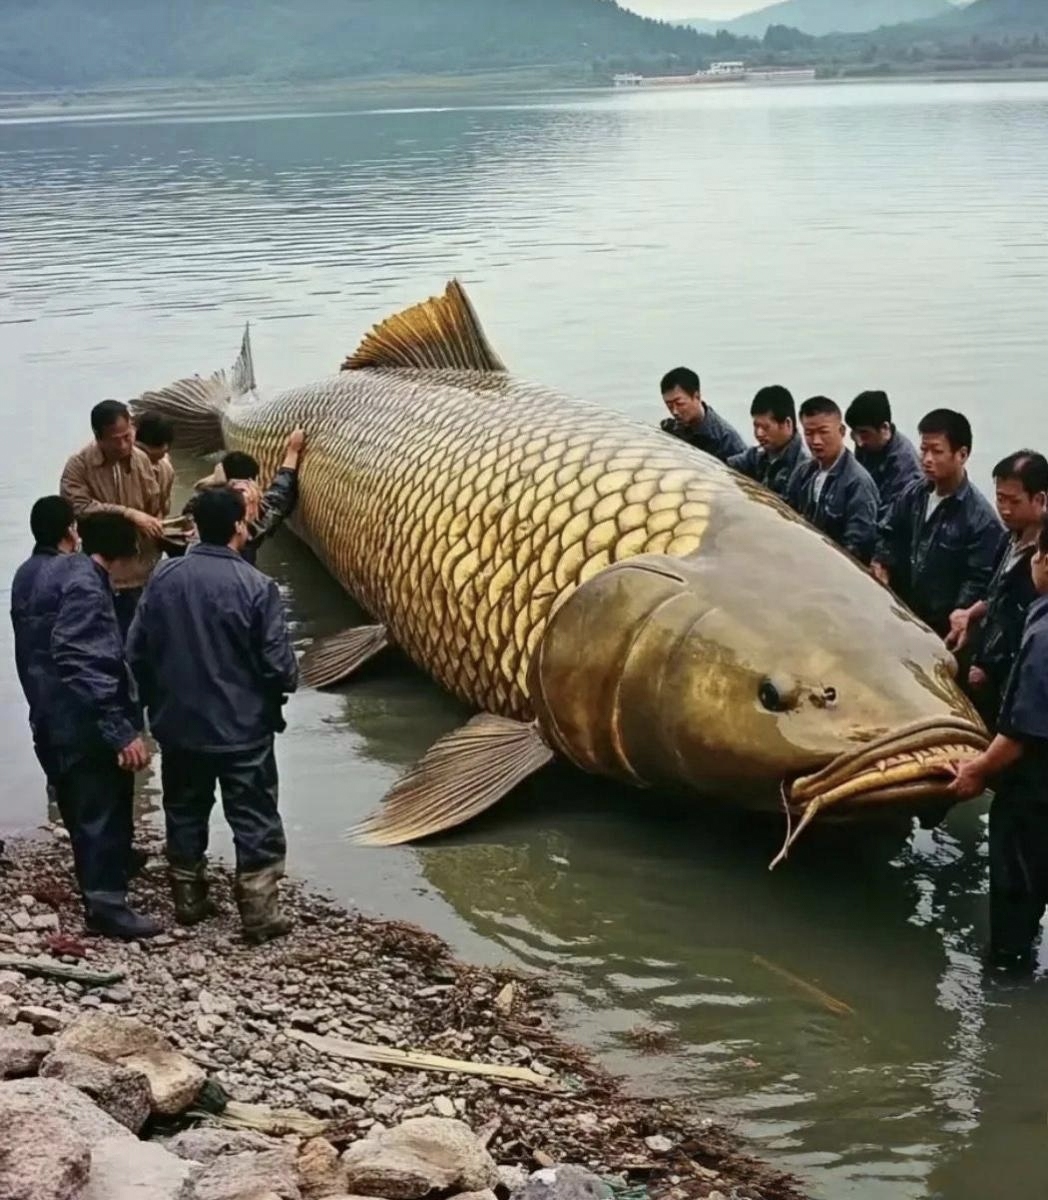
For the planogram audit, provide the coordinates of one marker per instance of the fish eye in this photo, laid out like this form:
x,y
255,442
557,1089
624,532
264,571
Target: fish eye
x,y
830,695
771,697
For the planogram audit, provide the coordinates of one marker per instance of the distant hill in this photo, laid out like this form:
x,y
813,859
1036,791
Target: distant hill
x,y
829,16
1001,16
85,42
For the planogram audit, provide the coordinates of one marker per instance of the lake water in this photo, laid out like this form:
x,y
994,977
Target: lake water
x,y
830,238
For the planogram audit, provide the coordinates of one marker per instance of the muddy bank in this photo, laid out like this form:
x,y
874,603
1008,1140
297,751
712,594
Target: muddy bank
x,y
293,1025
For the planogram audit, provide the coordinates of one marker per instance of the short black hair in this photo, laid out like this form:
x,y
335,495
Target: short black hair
x,y
106,414
238,465
151,429
216,513
776,402
109,535
1026,467
820,406
869,410
50,519
681,377
953,426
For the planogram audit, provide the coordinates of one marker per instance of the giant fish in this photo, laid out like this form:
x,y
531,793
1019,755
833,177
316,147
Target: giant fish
x,y
597,589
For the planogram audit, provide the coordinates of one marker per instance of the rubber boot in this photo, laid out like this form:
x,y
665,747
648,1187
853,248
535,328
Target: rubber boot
x,y
259,904
189,890
109,915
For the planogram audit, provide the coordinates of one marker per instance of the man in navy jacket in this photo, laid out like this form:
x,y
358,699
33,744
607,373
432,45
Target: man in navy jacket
x,y
85,721
210,649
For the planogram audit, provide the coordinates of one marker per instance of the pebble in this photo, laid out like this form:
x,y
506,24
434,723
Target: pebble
x,y
444,1106
658,1144
20,919
46,921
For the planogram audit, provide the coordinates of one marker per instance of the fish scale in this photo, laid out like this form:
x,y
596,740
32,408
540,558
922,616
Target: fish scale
x,y
462,509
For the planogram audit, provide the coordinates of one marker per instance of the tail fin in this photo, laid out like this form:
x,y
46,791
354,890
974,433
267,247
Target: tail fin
x,y
195,405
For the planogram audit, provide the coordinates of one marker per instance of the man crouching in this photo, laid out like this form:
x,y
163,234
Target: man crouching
x,y
210,649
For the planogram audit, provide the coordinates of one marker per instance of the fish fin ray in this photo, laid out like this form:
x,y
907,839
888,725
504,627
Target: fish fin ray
x,y
460,776
440,334
330,660
195,405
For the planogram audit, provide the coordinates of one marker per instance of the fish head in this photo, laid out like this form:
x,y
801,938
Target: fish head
x,y
725,674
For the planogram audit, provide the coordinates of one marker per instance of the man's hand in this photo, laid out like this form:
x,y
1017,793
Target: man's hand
x,y
150,527
977,678
134,756
293,449
969,780
960,627
880,572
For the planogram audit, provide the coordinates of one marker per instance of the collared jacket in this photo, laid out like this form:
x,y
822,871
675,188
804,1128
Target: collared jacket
x,y
210,649
846,510
23,616
91,485
1008,600
277,504
712,434
773,471
892,469
1024,713
945,562
76,676
164,471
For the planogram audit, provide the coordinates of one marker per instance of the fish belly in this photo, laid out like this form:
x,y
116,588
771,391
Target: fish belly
x,y
461,509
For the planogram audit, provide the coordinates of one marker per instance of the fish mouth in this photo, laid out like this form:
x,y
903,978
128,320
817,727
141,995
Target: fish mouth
x,y
908,765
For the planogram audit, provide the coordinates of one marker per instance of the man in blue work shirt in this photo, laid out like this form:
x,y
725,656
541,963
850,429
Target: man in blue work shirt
x,y
84,718
210,649
831,490
780,446
692,420
938,545
1016,765
888,455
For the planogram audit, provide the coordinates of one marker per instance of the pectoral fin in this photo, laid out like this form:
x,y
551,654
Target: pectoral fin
x,y
330,660
460,776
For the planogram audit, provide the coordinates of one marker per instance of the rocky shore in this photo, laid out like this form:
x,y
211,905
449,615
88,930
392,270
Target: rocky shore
x,y
356,1057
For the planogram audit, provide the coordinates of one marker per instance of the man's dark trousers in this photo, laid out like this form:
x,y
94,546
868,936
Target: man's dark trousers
x,y
95,798
125,602
1018,869
248,780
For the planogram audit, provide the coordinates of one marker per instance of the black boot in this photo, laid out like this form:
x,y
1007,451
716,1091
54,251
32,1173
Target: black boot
x,y
189,890
109,915
259,904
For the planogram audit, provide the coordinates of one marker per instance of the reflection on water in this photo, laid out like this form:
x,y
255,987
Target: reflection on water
x,y
829,238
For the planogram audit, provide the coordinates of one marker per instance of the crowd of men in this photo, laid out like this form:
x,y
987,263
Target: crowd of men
x,y
977,577
105,633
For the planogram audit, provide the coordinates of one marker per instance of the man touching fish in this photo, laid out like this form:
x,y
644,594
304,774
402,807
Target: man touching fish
x,y
596,589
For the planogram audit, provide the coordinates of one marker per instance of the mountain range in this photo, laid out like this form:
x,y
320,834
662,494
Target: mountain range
x,y
820,17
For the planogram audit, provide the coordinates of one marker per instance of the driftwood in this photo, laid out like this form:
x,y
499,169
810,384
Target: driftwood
x,y
260,1118
387,1056
47,968
830,1003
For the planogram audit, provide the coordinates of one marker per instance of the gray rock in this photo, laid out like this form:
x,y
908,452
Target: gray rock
x,y
512,1176
21,920
419,1156
320,1104
116,995
561,1182
205,1144
122,1170
208,1024
10,982
43,1020
8,1009
46,921
444,1106
239,1176
21,1051
56,1099
486,1194
118,1091
42,1158
110,1037
658,1144
174,1081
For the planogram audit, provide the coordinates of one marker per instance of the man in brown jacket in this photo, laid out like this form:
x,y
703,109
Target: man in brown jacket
x,y
111,474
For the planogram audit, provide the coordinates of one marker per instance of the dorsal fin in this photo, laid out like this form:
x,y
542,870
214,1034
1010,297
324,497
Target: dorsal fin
x,y
440,334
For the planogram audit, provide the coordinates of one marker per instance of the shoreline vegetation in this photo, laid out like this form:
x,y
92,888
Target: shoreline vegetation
x,y
310,1054
249,97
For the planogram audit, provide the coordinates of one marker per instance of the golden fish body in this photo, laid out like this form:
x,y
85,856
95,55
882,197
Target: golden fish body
x,y
595,587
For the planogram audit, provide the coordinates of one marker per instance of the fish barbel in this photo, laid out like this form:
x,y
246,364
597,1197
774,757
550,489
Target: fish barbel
x,y
596,588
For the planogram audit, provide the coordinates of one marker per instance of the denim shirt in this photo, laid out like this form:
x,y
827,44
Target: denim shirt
x,y
945,562
774,471
712,434
846,510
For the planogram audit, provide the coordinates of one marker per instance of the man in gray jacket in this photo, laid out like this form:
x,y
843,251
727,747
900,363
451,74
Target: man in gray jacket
x,y
210,649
